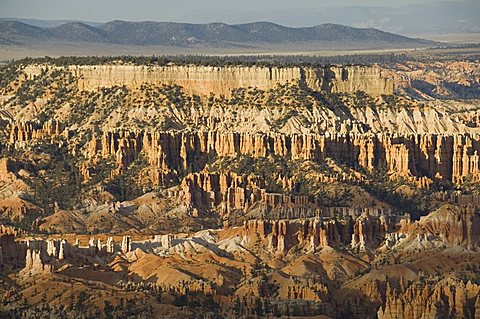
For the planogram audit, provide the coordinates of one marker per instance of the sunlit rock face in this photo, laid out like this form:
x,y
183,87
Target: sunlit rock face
x,y
204,80
232,191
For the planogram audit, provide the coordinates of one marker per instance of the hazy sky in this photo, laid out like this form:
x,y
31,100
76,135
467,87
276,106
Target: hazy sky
x,y
197,11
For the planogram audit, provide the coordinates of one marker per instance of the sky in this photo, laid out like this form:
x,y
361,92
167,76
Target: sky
x,y
195,11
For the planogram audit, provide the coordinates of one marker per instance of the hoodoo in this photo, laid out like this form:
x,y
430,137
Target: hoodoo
x,y
231,191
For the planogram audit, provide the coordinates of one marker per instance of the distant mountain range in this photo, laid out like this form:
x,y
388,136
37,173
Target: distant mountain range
x,y
47,23
426,17
13,32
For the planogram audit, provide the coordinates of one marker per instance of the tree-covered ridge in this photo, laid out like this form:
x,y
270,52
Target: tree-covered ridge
x,y
190,35
247,60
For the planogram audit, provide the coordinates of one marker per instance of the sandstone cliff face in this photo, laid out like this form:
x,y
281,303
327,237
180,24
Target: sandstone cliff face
x,y
365,232
456,226
203,190
448,299
441,157
203,80
357,78
369,231
305,290
44,255
34,262
26,131
420,158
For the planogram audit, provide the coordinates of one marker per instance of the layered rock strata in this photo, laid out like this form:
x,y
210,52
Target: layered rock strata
x,y
204,80
442,157
447,158
364,232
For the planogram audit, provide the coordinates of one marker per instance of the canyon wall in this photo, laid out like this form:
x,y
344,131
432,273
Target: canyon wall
x,y
282,235
358,78
454,225
204,80
442,157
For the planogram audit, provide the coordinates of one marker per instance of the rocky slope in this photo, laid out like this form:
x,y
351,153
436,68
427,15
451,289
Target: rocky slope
x,y
366,266
239,191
